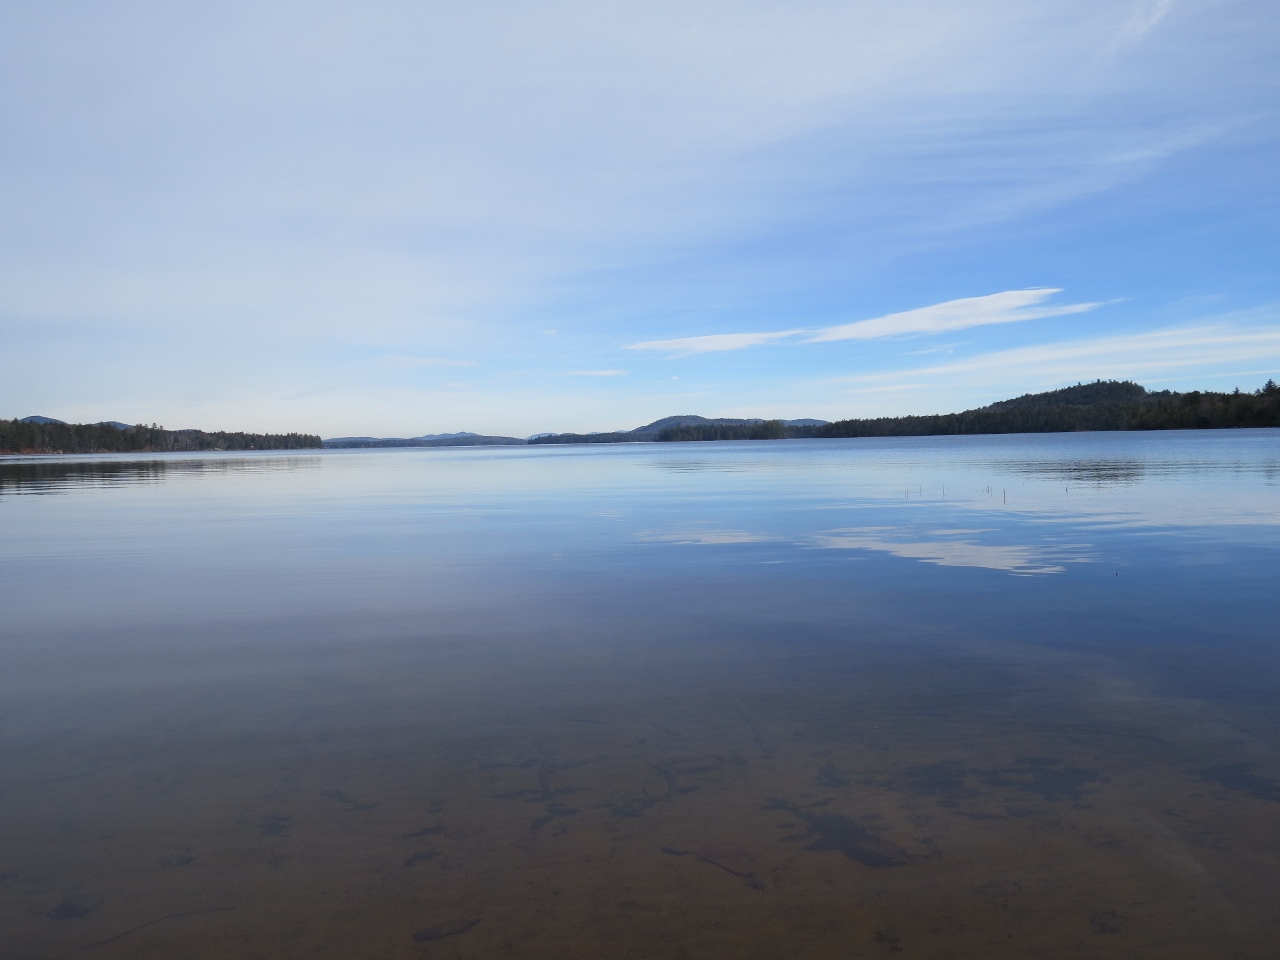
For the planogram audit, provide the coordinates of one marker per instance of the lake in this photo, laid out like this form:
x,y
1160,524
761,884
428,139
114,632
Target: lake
x,y
983,697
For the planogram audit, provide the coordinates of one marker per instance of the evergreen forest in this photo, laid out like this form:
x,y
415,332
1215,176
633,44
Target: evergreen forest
x,y
17,436
1102,405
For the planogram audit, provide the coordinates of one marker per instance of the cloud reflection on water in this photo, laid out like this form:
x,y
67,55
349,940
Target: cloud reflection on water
x,y
1011,558
704,537
959,549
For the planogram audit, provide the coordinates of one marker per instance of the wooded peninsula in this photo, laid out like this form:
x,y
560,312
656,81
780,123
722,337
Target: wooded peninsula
x,y
18,436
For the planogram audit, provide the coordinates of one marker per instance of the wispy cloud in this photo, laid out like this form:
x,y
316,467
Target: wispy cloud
x,y
595,373
411,362
1156,352
1010,306
713,343
1142,19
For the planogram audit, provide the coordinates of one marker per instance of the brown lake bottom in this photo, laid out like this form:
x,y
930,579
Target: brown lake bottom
x,y
668,794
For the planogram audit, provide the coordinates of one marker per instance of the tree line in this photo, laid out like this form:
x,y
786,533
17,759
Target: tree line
x,y
764,430
19,437
621,436
1103,405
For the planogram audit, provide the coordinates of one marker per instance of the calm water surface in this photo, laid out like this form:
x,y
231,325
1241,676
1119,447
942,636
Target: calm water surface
x,y
924,697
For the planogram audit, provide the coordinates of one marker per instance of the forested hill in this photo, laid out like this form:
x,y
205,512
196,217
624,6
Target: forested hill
x,y
690,427
1102,405
17,436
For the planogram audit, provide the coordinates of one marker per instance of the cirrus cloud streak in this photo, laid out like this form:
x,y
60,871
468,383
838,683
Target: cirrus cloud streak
x,y
713,343
1009,306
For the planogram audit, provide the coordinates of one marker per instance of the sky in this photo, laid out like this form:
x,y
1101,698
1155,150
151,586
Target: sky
x,y
395,219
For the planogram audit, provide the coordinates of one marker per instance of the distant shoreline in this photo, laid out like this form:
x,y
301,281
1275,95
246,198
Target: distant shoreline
x,y
1106,406
1102,406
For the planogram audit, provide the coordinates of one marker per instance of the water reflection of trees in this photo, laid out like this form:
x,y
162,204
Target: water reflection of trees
x,y
707,466
1123,471
54,476
1095,472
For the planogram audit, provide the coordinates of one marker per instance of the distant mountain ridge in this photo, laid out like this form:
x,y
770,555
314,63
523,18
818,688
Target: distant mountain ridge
x,y
46,421
648,432
1102,405
689,427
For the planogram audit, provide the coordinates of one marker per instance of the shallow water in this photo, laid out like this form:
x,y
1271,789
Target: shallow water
x,y
919,697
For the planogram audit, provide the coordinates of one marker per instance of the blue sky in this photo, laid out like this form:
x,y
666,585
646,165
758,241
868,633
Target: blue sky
x,y
408,218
